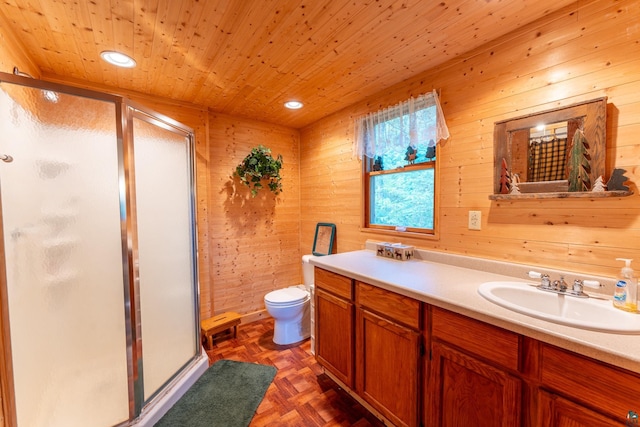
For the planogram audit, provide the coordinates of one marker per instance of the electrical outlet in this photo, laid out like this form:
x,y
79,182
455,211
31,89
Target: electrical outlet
x,y
475,220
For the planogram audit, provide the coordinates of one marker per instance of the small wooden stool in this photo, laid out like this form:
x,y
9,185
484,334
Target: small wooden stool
x,y
219,323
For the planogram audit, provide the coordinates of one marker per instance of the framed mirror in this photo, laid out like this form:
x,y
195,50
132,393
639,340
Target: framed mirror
x,y
536,149
323,241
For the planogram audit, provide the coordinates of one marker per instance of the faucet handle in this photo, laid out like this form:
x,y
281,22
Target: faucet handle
x,y
545,281
578,286
592,284
535,275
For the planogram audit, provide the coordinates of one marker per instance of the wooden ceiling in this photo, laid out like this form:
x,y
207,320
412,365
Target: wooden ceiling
x,y
247,57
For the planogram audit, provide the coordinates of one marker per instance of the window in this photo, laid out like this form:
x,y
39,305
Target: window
x,y
399,146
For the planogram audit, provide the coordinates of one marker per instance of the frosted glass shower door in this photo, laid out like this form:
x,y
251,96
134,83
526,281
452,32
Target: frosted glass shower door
x,y
63,256
166,252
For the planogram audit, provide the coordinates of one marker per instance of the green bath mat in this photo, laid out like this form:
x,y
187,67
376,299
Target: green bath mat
x,y
226,395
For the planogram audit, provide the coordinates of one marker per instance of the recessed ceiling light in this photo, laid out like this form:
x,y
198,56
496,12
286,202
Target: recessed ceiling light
x,y
293,105
118,59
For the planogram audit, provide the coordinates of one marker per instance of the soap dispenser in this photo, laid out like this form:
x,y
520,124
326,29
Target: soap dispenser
x,y
626,291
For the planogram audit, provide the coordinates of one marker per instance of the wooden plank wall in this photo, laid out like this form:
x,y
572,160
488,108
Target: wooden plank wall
x,y
254,241
582,52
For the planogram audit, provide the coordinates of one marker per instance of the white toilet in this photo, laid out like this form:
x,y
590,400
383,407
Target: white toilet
x,y
290,308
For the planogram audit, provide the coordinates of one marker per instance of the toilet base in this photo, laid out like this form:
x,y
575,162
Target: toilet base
x,y
289,333
292,330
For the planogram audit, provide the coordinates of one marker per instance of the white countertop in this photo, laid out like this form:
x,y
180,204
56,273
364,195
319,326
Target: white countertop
x,y
455,288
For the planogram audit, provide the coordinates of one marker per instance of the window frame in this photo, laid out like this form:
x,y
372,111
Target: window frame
x,y
369,173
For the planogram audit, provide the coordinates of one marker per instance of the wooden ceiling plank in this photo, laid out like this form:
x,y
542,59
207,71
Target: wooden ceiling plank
x,y
162,77
32,26
333,74
234,57
340,64
191,46
99,14
123,29
438,33
291,45
247,56
78,15
285,35
262,28
64,47
82,47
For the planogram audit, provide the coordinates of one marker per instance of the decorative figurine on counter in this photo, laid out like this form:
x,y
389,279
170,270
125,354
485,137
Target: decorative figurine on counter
x,y
377,164
579,166
505,178
617,180
431,150
514,184
599,185
411,154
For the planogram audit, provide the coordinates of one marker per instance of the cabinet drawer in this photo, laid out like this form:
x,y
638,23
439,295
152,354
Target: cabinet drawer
x,y
334,283
595,384
490,342
394,306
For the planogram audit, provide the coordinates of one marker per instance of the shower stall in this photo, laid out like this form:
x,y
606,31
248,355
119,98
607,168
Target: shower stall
x,y
99,313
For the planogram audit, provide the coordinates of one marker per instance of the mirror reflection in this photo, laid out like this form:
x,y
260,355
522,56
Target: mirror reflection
x,y
323,242
536,149
540,153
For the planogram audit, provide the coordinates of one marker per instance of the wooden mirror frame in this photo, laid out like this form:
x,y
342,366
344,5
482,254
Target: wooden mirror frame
x,y
323,241
593,114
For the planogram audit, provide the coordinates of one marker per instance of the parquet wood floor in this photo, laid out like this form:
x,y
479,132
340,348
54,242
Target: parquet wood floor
x,y
301,395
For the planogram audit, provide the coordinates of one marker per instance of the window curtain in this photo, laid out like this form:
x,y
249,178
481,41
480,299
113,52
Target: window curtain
x,y
396,127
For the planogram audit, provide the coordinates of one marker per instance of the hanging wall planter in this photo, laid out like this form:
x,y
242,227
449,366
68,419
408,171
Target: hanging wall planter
x,y
258,167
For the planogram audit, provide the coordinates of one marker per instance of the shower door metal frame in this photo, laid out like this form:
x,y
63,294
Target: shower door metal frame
x,y
135,110
125,110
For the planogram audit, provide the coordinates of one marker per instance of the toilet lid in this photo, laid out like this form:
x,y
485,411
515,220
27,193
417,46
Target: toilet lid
x,y
286,296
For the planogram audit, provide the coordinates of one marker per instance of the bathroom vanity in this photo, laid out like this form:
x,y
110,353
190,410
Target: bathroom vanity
x,y
417,345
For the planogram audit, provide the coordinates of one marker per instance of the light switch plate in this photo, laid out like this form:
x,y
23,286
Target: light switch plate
x,y
475,220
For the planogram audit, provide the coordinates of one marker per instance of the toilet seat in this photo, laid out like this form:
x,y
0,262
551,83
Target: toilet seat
x,y
286,296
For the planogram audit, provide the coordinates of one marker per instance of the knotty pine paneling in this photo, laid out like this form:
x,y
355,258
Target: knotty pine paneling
x,y
255,241
12,52
581,52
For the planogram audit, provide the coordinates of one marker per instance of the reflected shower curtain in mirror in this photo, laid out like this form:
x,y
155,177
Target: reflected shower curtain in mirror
x,y
547,159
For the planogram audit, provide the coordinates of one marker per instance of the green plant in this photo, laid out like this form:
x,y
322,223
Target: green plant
x,y
259,166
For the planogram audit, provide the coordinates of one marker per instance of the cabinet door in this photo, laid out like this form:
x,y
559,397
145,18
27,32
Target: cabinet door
x,y
387,368
334,335
558,412
467,392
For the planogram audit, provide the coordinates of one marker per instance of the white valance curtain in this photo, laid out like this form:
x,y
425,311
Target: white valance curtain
x,y
399,126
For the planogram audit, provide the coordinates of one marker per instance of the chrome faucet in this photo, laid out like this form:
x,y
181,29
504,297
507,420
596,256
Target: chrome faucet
x,y
560,286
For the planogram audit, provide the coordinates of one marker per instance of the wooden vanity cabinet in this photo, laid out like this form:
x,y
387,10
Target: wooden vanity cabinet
x,y
575,387
388,353
473,373
334,311
556,411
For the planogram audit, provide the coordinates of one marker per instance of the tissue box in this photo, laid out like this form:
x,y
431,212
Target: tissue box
x,y
394,250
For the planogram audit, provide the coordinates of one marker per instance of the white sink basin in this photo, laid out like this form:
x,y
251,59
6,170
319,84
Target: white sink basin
x,y
586,313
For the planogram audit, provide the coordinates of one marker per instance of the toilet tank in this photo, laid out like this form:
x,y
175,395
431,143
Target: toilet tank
x,y
307,271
